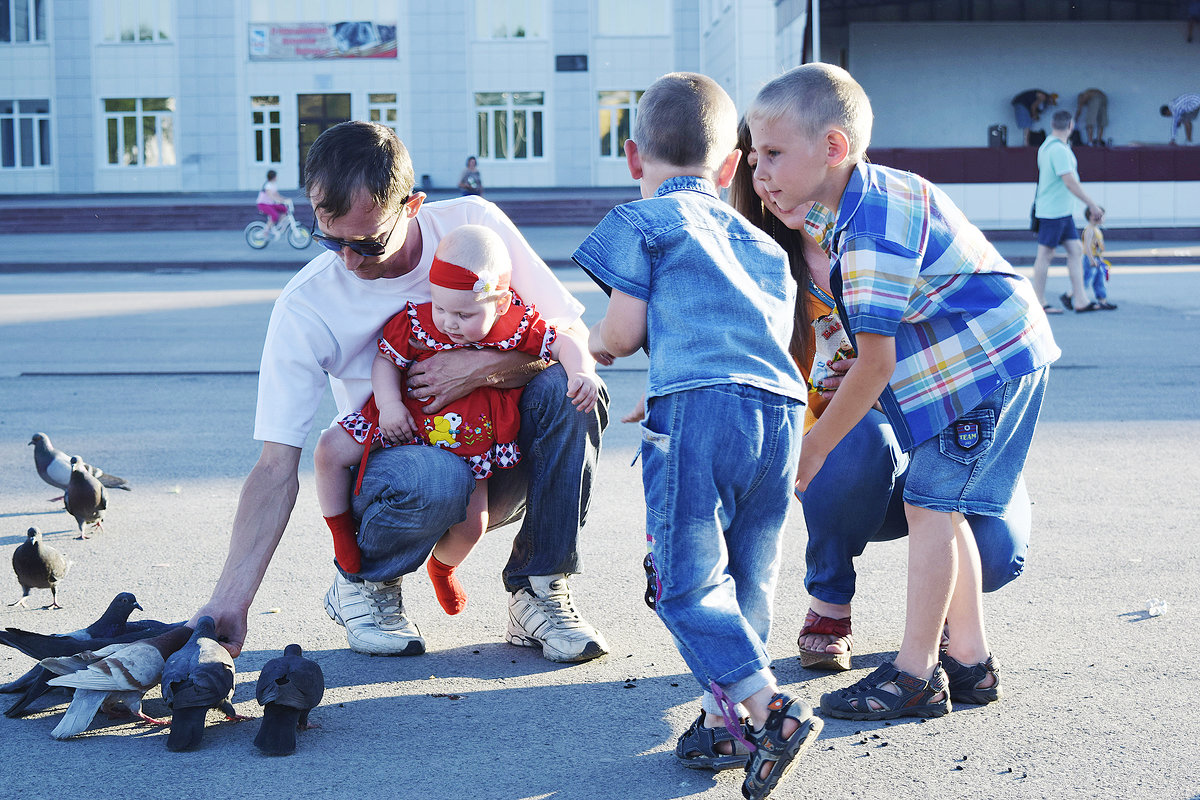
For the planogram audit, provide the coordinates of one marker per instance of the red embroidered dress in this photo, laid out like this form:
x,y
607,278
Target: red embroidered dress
x,y
481,427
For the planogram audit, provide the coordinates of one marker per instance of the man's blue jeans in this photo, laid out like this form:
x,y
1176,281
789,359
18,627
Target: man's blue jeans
x,y
411,495
857,497
718,464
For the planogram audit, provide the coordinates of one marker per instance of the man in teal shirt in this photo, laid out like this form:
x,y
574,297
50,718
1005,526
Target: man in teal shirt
x,y
1054,207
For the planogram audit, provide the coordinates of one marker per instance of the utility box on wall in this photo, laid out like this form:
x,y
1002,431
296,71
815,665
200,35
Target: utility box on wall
x,y
997,136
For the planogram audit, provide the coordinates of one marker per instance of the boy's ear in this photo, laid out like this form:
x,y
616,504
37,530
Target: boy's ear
x,y
837,147
728,168
634,159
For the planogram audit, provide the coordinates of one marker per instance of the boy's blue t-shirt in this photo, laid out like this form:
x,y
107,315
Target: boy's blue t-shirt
x,y
719,296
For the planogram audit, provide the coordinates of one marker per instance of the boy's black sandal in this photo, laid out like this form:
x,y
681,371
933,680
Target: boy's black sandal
x,y
771,747
916,698
697,748
964,680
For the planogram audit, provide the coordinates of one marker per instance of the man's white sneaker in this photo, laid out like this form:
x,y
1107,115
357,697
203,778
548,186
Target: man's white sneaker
x,y
373,616
544,616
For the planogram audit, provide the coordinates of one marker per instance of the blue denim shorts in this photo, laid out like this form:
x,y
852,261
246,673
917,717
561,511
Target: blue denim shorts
x,y
1053,232
973,465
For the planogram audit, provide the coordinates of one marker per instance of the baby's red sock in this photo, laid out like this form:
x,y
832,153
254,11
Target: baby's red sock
x,y
449,591
344,528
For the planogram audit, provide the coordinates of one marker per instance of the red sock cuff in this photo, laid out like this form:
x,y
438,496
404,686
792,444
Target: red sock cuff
x,y
344,528
438,569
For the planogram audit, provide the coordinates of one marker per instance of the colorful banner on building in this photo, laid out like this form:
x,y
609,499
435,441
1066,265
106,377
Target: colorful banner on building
x,y
291,41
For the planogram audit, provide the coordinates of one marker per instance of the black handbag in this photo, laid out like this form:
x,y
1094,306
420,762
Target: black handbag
x,y
1033,220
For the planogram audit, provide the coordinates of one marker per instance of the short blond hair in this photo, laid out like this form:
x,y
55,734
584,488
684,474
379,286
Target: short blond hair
x,y
478,249
686,120
815,97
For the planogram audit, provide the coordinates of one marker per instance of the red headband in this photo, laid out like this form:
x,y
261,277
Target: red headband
x,y
451,276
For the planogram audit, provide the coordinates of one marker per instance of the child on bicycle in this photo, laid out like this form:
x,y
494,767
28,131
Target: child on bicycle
x,y
270,201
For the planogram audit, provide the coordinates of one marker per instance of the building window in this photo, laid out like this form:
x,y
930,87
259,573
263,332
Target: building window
x,y
140,131
22,21
382,108
267,128
510,19
617,112
24,134
509,124
137,21
634,18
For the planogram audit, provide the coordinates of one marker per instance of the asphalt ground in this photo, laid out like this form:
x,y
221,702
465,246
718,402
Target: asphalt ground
x,y
151,375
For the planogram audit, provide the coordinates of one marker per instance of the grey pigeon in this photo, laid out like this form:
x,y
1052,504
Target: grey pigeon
x,y
85,497
111,679
38,566
54,466
288,688
196,678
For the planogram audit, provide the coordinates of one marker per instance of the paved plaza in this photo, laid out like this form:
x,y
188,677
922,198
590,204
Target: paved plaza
x,y
150,373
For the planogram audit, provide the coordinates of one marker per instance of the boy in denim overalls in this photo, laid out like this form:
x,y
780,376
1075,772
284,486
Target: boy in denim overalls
x,y
711,297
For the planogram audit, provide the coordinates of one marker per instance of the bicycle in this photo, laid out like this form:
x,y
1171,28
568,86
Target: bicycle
x,y
261,233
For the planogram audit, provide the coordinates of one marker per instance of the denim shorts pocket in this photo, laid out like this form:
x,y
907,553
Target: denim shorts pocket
x,y
969,437
656,448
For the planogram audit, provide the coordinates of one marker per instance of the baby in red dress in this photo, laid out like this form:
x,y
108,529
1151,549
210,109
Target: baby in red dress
x,y
471,306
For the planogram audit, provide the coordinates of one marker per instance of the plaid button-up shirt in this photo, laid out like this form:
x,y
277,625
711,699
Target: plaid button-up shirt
x,y
906,263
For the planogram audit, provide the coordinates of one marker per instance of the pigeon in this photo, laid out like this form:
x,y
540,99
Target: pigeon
x,y
38,566
85,497
115,677
33,684
288,688
113,627
114,621
196,678
54,466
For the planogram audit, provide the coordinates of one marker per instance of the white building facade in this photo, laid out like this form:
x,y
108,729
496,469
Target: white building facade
x,y
104,96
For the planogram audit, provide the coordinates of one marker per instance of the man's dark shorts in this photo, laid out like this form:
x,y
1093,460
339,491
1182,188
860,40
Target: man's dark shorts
x,y
1053,232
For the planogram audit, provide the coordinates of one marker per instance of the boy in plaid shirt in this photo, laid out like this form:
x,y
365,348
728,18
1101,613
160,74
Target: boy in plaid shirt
x,y
953,346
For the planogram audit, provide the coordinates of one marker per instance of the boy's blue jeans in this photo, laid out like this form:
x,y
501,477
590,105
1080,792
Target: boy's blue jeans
x,y
857,498
412,495
1093,276
718,465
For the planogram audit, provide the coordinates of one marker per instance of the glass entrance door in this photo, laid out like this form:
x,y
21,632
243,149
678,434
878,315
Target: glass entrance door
x,y
317,113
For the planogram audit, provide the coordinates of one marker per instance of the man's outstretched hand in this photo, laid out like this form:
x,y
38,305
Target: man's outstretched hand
x,y
231,626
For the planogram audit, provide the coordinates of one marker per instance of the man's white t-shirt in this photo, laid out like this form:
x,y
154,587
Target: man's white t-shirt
x,y
327,320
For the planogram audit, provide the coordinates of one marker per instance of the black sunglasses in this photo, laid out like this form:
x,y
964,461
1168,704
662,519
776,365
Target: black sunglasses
x,y
370,248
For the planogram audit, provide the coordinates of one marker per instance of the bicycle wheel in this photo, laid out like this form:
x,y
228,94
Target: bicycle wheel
x,y
298,237
257,234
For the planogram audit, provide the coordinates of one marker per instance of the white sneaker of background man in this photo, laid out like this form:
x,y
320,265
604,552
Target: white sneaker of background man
x,y
544,616
541,616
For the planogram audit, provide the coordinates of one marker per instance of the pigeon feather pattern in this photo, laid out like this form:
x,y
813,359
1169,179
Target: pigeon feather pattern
x,y
38,566
54,466
196,678
117,676
85,498
288,688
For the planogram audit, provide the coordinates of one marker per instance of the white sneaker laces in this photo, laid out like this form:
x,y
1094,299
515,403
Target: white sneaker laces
x,y
383,599
557,606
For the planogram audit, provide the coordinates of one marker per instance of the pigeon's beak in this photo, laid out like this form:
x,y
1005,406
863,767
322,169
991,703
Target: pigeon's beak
x,y
138,607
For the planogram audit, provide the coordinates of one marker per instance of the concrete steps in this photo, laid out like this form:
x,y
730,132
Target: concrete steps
x,y
132,213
